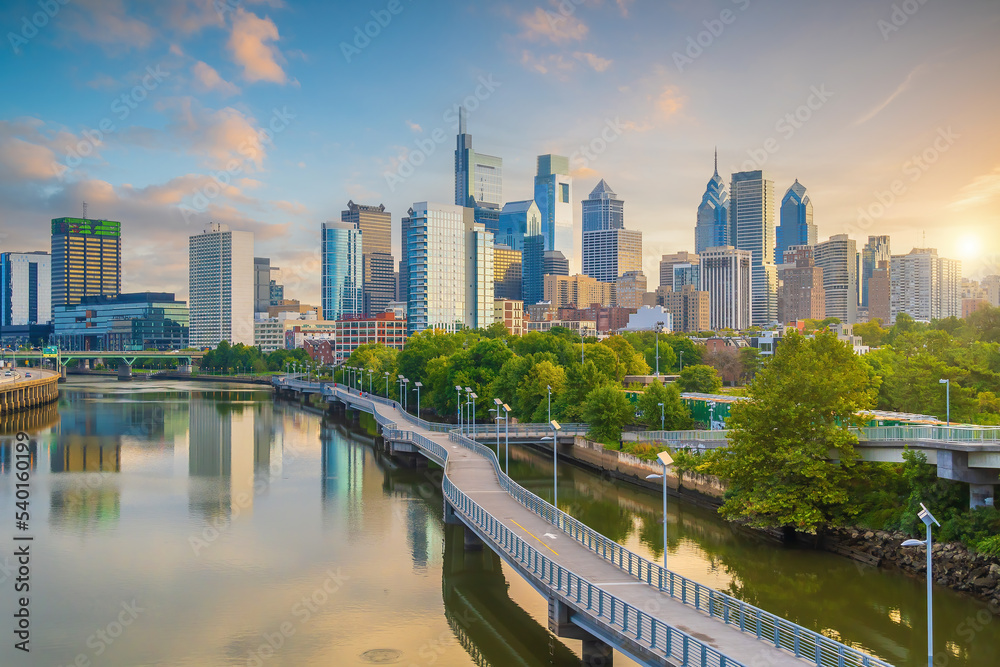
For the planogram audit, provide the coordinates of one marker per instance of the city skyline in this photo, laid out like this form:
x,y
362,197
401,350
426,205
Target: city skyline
x,y
208,79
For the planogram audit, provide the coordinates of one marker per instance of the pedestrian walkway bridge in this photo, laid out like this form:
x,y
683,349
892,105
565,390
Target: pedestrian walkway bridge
x,y
598,591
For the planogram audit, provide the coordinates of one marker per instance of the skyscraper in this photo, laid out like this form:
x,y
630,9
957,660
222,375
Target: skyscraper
x,y
801,295
609,250
221,286
506,273
667,263
518,219
554,197
880,294
478,177
449,266
532,271
262,284
378,265
86,259
341,291
875,251
712,229
275,287
838,257
554,263
25,288
726,276
797,226
924,286
751,217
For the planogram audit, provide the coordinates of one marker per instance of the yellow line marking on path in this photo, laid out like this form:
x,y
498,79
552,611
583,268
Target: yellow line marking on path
x,y
530,533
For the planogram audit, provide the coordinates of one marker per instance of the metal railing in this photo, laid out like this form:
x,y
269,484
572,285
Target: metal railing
x,y
680,436
523,430
607,609
970,434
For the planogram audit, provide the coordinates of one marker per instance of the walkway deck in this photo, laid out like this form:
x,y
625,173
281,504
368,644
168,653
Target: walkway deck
x,y
654,616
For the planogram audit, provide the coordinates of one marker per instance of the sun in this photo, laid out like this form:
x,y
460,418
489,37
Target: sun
x,y
969,246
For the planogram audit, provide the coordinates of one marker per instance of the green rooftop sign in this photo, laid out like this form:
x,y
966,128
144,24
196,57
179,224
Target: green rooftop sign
x,y
86,227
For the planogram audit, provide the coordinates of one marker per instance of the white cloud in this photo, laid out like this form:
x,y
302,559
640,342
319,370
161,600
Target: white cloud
x,y
251,47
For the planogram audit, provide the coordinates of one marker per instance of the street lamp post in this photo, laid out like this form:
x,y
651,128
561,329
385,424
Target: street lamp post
x,y
458,404
549,388
947,398
682,359
661,415
400,379
659,328
418,385
474,396
928,519
555,462
506,438
711,415
468,392
665,460
496,420
386,374
406,394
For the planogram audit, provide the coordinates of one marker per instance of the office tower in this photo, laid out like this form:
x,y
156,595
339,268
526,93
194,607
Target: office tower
x,y
143,321
800,293
924,286
450,267
262,284
517,221
712,228
751,219
726,276
667,263
554,263
610,253
630,288
838,258
880,293
875,251
221,286
689,309
553,195
276,290
506,273
578,291
797,226
25,288
377,262
341,291
86,259
992,286
686,274
478,177
603,209
532,272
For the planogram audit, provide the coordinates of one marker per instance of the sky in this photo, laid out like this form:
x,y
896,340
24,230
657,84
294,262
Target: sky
x,y
269,115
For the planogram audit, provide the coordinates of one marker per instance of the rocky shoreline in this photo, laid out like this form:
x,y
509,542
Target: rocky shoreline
x,y
955,566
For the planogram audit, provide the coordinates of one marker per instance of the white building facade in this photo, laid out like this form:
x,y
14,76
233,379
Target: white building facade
x,y
221,287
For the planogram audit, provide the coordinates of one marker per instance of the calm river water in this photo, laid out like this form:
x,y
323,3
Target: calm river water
x,y
195,524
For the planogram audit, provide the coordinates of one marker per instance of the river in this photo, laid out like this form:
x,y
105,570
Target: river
x,y
196,524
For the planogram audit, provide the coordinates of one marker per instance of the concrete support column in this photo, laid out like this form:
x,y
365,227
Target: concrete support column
x,y
597,654
980,495
472,541
124,371
450,517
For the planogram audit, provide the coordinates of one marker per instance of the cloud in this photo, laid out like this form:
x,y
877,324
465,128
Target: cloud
x,y
900,89
414,126
982,190
103,82
554,63
106,23
597,63
553,26
207,79
294,208
32,151
623,6
251,48
219,136
670,102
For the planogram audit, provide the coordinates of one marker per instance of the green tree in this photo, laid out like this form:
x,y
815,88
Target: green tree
x,y
800,409
871,332
580,381
607,410
630,362
532,392
676,415
701,379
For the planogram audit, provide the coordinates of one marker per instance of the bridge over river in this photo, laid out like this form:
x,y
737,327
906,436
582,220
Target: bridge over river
x,y
597,590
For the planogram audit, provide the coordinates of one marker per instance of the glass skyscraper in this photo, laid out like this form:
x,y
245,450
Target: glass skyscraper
x,y
86,259
797,226
341,286
378,275
752,228
875,251
478,177
554,197
25,288
603,209
712,229
609,250
518,220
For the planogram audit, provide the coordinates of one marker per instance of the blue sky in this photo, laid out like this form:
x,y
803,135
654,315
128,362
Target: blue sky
x,y
885,111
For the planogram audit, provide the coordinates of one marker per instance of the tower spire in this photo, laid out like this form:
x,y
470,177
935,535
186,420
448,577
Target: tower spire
x,y
716,160
461,120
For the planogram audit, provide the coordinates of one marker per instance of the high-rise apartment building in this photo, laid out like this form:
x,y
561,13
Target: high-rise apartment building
x,y
261,284
578,291
880,293
992,286
86,259
752,228
875,251
221,286
630,288
800,292
506,273
726,276
796,228
518,220
924,286
689,309
712,228
377,263
478,177
25,288
667,263
554,197
838,257
450,267
341,249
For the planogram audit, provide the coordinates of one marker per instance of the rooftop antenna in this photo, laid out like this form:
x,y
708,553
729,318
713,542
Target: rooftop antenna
x,y
716,160
84,210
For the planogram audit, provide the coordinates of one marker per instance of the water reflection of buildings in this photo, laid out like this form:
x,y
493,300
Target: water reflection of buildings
x,y
229,442
7,458
84,502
